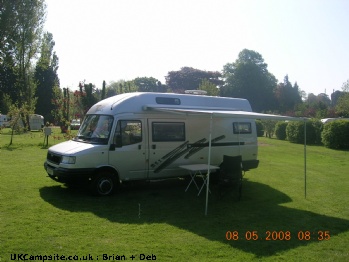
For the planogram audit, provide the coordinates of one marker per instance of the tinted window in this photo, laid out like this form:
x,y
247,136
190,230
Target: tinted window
x,y
242,128
167,132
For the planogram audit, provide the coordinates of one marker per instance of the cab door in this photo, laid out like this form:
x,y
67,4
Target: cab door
x,y
167,147
128,150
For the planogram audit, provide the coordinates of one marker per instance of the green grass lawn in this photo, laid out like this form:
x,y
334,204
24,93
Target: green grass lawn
x,y
41,217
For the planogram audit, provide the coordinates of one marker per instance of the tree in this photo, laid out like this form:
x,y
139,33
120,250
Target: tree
x,y
316,106
57,111
248,78
111,89
103,90
120,87
335,96
87,96
31,19
342,107
287,96
8,27
8,39
161,88
46,78
8,92
345,86
146,84
15,114
7,43
21,24
209,87
189,78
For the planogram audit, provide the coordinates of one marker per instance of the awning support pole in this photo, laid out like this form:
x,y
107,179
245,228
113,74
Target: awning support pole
x,y
305,159
209,163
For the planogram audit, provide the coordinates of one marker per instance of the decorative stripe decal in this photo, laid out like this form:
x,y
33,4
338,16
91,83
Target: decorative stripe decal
x,y
217,144
190,149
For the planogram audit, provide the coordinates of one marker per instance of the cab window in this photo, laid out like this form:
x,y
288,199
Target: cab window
x,y
128,132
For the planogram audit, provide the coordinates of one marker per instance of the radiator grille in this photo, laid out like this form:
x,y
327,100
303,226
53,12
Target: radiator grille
x,y
54,158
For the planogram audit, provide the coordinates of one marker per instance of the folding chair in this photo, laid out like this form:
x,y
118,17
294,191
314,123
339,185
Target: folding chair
x,y
230,175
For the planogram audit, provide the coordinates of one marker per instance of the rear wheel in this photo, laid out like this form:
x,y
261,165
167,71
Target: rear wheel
x,y
104,184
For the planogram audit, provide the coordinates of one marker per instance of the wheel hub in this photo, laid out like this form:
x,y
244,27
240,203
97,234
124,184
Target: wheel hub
x,y
105,186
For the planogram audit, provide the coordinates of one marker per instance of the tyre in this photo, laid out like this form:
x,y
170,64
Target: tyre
x,y
104,184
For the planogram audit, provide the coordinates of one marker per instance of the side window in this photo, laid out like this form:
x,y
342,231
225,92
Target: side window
x,y
128,132
168,132
242,128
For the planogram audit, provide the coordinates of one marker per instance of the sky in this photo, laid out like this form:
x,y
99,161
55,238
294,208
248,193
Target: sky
x,y
114,40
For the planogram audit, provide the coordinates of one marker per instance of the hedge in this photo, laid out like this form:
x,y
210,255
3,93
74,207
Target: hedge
x,y
280,130
295,132
260,129
335,134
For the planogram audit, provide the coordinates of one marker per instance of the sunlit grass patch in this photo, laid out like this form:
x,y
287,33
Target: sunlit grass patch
x,y
40,216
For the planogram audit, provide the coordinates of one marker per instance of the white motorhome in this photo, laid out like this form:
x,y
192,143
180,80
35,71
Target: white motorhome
x,y
147,136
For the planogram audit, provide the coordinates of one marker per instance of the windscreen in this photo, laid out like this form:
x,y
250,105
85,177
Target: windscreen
x,y
95,129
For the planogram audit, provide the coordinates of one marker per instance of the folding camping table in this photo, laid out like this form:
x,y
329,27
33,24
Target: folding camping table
x,y
197,170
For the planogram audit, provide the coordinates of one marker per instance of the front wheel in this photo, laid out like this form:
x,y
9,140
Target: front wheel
x,y
104,184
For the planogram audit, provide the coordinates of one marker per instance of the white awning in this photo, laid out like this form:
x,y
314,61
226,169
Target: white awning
x,y
218,112
224,113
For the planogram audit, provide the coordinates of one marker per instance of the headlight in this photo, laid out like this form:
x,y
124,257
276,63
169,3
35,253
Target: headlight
x,y
68,159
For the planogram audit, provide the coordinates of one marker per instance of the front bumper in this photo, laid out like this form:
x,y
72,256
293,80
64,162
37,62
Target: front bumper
x,y
68,175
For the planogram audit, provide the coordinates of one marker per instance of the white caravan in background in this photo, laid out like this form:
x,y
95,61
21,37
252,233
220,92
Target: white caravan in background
x,y
4,121
329,120
36,122
146,136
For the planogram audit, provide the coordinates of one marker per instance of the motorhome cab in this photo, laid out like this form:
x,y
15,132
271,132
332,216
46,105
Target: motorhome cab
x,y
146,136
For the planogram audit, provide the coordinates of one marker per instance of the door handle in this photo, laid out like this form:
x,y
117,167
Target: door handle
x,y
139,147
153,146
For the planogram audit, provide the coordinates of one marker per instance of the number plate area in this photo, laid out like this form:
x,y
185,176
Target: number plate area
x,y
49,171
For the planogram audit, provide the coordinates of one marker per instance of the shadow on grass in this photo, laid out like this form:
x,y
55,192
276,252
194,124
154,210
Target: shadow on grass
x,y
166,202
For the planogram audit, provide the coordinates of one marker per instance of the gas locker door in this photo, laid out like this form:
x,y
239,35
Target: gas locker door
x,y
167,147
128,150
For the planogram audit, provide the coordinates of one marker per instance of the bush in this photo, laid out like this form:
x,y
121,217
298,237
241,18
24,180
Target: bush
x,y
260,130
295,132
318,127
336,135
280,130
269,127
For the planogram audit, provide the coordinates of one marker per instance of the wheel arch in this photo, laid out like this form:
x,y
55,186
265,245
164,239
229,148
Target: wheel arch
x,y
104,182
109,169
